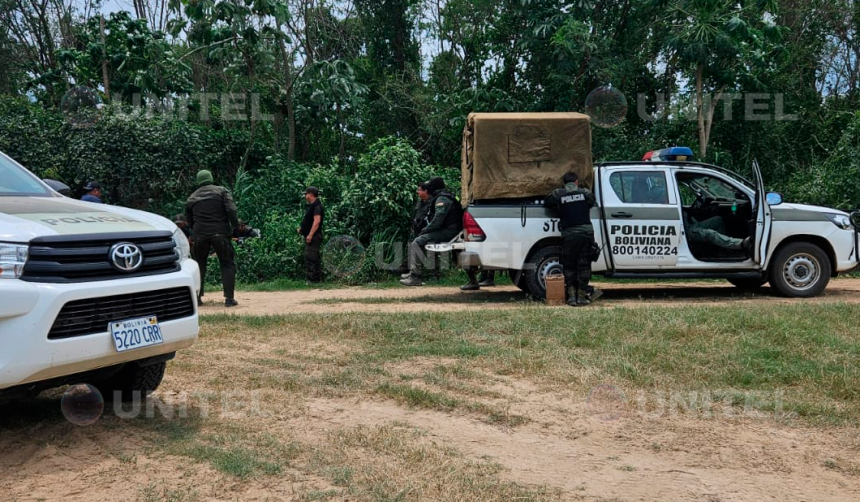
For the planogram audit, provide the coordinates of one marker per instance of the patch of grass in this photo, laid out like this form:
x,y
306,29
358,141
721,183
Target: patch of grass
x,y
422,398
391,462
235,461
797,359
157,492
316,495
233,450
417,397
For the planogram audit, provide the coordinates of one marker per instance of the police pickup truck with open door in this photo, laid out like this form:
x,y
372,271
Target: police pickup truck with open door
x,y
643,224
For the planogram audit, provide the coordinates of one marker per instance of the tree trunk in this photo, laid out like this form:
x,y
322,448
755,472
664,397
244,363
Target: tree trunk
x,y
291,112
700,112
105,76
342,151
709,116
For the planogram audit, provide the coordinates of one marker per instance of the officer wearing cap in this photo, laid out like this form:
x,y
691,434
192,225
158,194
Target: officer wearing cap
x,y
93,193
210,212
446,221
312,230
574,205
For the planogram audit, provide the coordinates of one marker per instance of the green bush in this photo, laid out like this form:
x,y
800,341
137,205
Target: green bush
x,y
372,205
834,181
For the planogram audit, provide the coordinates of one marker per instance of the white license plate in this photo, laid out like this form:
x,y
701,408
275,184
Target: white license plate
x,y
136,333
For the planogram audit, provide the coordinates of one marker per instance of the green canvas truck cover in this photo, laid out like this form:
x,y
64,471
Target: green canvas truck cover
x,y
510,155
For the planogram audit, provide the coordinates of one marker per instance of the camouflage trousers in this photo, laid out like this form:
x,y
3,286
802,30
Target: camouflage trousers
x,y
713,231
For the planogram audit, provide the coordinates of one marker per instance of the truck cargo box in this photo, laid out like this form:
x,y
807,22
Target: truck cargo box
x,y
513,155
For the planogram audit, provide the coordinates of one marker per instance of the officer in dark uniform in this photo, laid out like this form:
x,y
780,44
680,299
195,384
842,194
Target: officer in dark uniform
x,y
422,209
312,230
421,218
210,212
93,193
446,221
577,235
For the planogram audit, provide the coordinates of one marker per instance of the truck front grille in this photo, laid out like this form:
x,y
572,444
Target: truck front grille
x,y
84,258
92,315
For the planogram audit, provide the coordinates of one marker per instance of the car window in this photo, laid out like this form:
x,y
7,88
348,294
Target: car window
x,y
639,187
688,195
14,180
709,186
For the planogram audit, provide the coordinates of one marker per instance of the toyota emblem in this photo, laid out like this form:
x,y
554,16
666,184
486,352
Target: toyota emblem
x,y
126,257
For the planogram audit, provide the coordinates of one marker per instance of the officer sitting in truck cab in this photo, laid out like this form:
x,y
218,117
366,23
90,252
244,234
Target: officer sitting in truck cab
x,y
713,231
705,218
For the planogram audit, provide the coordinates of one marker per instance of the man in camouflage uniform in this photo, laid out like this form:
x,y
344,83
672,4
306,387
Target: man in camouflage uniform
x,y
446,221
210,212
577,235
713,231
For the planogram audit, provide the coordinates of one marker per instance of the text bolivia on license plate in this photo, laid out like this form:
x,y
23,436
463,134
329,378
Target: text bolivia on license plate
x,y
136,333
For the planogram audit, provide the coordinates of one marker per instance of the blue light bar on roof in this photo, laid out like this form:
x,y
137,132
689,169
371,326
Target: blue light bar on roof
x,y
674,153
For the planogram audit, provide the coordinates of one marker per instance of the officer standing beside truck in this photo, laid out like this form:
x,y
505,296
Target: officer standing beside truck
x,y
446,221
210,212
577,235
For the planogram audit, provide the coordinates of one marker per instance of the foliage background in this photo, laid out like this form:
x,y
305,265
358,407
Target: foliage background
x,y
364,98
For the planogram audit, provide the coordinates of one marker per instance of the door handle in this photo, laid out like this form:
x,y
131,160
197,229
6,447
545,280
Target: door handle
x,y
622,215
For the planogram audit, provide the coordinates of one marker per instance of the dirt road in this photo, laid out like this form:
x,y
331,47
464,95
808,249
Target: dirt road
x,y
449,298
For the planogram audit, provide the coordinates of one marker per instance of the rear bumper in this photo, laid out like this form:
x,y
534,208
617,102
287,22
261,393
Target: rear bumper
x,y
28,311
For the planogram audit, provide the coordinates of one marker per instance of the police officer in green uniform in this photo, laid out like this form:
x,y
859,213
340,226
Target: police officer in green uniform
x,y
577,235
211,214
713,231
446,221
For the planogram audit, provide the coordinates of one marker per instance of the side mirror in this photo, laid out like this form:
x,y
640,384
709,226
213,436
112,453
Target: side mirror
x,y
855,219
59,187
773,198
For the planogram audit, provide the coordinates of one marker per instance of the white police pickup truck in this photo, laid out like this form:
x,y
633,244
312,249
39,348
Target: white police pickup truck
x,y
642,225
88,292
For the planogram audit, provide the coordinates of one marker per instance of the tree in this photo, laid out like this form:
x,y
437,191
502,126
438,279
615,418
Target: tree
x,y
720,45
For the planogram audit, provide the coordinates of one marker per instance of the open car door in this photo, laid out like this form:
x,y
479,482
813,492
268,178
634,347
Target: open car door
x,y
762,219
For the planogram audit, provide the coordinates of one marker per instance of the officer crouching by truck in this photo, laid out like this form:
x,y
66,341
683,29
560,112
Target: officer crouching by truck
x,y
577,234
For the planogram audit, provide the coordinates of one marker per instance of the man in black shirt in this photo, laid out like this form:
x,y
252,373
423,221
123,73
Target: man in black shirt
x,y
311,230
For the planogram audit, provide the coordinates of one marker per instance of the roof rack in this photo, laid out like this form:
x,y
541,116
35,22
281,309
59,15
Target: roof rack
x,y
683,163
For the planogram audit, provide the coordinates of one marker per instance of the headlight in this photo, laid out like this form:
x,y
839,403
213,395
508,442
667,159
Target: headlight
x,y
182,244
840,220
12,259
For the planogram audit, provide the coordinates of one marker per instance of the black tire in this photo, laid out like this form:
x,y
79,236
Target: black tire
x,y
748,284
543,261
518,277
132,380
800,270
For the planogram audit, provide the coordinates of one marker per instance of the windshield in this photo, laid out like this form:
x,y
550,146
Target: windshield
x,y
15,180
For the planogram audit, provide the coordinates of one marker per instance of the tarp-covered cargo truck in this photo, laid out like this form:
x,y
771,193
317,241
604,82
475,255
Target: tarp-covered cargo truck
x,y
649,218
514,155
